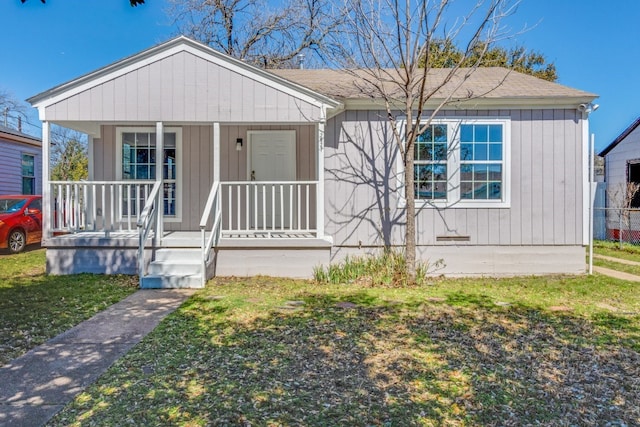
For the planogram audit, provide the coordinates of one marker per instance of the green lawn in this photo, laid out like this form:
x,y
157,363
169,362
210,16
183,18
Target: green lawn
x,y
628,251
268,352
35,307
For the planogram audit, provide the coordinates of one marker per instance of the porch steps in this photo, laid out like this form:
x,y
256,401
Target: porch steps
x,y
174,268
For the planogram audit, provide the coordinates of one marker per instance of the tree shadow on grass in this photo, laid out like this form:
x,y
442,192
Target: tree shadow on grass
x,y
35,307
356,360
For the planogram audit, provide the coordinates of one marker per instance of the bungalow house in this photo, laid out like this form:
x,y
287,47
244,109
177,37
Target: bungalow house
x,y
20,162
202,165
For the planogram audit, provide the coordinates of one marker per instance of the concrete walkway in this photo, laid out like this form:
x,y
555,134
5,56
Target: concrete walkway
x,y
35,386
618,260
615,273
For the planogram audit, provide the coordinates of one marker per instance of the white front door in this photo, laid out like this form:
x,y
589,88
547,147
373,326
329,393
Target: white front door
x,y
272,158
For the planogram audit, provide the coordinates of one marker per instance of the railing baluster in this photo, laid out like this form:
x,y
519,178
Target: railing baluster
x,y
94,207
306,186
298,207
273,206
76,208
85,194
230,207
291,207
264,207
104,208
281,208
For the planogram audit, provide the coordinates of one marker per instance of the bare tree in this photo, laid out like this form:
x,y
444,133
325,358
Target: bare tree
x,y
263,33
386,50
11,110
621,198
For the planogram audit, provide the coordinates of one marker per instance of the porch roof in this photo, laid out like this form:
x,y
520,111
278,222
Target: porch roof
x,y
181,80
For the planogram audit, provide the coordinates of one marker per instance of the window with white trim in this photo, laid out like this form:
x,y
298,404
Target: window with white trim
x,y
481,147
137,155
463,163
430,163
28,174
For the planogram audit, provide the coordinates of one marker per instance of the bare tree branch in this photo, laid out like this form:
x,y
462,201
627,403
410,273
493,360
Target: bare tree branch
x,y
387,51
264,34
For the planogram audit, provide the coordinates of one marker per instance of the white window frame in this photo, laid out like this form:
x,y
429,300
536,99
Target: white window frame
x,y
454,163
23,176
152,129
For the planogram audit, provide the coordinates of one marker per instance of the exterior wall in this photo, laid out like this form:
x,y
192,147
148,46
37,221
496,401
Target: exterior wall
x,y
362,203
183,88
11,166
616,160
493,261
197,163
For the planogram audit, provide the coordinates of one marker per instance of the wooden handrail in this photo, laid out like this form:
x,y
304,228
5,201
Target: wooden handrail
x,y
145,222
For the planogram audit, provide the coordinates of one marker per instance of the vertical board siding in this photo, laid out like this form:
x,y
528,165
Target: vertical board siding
x,y
518,180
197,163
545,178
183,87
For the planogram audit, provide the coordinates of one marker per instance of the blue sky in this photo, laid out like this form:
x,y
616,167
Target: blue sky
x,y
593,44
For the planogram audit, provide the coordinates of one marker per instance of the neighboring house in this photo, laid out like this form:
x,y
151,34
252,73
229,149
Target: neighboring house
x,y
282,171
20,162
622,166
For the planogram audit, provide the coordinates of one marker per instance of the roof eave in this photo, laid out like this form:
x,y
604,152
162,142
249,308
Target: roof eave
x,y
478,103
620,138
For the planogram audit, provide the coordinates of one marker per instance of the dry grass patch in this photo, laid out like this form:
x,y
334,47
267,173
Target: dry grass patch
x,y
442,354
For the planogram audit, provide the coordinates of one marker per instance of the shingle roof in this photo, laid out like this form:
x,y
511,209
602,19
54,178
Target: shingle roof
x,y
486,83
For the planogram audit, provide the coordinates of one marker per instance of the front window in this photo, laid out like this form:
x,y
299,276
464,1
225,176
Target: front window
x,y
462,162
481,162
28,174
430,163
139,159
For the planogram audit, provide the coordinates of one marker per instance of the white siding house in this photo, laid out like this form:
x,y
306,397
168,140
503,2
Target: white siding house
x,y
20,162
622,166
278,172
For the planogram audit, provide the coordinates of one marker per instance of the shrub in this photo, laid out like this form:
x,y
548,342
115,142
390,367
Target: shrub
x,y
385,269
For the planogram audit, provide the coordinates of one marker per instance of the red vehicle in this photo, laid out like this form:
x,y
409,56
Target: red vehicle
x,y
20,222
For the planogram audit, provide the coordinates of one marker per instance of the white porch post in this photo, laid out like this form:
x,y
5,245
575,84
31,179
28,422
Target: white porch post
x,y
320,176
216,152
160,178
46,187
90,155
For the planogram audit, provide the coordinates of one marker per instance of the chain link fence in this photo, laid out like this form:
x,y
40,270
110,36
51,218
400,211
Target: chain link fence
x,y
617,224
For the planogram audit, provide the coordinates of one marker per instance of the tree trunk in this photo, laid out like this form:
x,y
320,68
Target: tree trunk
x,y
410,233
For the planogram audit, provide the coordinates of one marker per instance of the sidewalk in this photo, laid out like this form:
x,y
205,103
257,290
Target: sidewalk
x,y
35,386
615,273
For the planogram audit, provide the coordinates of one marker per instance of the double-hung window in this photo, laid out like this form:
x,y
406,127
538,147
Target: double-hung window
x,y
463,162
481,154
430,163
137,148
28,174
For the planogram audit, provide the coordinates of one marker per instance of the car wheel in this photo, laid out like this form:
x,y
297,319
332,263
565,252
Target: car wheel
x,y
17,241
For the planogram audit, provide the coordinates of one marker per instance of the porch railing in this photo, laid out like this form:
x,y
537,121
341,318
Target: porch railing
x,y
102,206
145,223
212,207
269,208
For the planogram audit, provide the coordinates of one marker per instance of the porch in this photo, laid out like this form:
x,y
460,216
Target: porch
x,y
247,228
184,139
